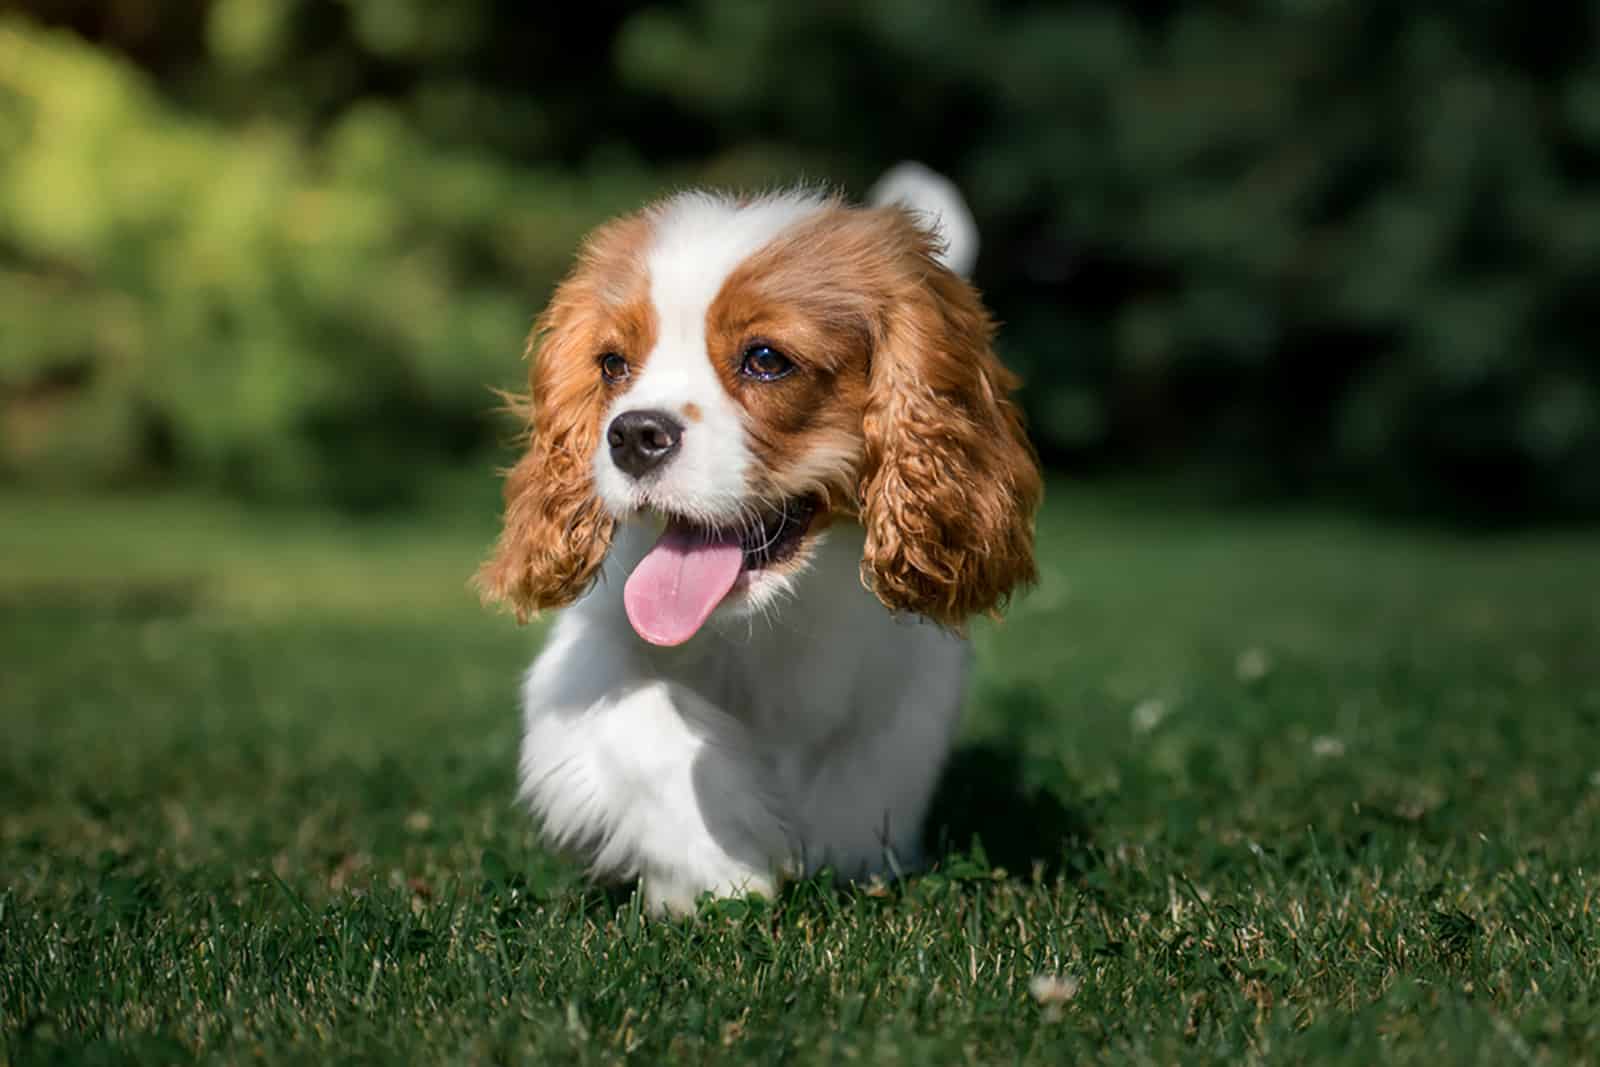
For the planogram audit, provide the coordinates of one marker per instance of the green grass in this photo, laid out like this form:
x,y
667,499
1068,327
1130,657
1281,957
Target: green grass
x,y
1296,789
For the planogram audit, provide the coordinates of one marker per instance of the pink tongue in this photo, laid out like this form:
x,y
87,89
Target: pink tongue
x,y
677,586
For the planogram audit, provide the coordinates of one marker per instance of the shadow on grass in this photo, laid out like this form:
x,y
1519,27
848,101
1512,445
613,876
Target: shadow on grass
x,y
989,808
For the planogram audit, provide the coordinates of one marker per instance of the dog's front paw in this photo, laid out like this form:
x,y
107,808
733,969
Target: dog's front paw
x,y
674,894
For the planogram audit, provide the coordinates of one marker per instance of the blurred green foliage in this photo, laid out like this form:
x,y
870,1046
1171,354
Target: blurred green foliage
x,y
286,245
275,311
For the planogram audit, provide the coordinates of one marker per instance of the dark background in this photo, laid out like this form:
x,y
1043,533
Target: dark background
x,y
1262,251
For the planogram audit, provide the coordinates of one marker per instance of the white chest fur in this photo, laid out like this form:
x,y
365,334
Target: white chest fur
x,y
810,736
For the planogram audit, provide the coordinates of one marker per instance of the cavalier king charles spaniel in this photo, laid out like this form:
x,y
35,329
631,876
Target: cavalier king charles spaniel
x,y
772,467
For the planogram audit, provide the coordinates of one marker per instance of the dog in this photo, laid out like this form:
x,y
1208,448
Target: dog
x,y
772,467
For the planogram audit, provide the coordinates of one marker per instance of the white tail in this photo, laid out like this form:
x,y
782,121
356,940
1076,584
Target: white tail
x,y
939,202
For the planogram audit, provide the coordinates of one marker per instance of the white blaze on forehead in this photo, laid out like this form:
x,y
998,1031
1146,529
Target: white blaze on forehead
x,y
699,240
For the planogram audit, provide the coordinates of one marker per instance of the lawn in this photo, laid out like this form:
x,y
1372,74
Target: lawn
x,y
1232,789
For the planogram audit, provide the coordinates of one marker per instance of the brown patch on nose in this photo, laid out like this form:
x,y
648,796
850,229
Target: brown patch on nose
x,y
691,412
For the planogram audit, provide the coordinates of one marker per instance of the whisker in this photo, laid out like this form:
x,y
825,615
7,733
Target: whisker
x,y
775,533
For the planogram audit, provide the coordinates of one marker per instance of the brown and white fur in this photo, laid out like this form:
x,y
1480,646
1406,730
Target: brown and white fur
x,y
824,414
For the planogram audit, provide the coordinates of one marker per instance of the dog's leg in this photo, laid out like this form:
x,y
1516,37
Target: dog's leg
x,y
644,777
863,809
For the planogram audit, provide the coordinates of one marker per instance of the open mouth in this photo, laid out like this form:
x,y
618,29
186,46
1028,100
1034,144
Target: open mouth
x,y
778,534
692,568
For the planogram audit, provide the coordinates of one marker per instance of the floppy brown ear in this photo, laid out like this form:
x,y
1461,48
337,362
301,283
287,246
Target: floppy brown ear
x,y
555,533
950,482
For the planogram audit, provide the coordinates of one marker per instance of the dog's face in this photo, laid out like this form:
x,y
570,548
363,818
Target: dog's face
x,y
744,374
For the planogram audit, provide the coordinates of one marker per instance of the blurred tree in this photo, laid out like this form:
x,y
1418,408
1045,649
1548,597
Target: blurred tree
x,y
1304,244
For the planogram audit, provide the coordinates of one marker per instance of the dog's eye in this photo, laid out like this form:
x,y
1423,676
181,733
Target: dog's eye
x,y
613,368
765,363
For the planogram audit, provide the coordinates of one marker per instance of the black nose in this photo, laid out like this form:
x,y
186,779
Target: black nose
x,y
641,441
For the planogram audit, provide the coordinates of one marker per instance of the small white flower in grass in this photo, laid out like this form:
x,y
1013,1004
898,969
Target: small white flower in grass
x,y
1326,747
1053,989
1148,714
1253,665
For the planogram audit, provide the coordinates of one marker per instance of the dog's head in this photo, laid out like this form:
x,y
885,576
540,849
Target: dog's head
x,y
746,372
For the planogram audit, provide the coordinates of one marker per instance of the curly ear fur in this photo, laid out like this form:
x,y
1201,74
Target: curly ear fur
x,y
556,533
950,483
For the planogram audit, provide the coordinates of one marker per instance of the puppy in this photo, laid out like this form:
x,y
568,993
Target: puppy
x,y
772,467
